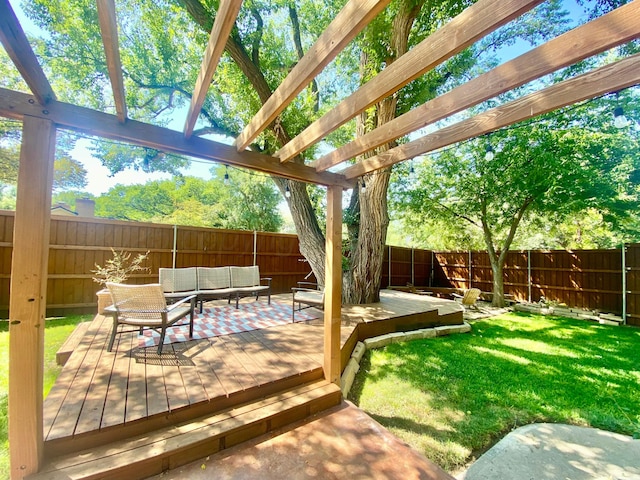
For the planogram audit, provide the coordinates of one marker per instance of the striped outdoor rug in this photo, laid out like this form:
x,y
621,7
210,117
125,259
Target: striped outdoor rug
x,y
223,320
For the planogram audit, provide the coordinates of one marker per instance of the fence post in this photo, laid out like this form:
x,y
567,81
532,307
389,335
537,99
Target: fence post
x,y
529,272
470,276
255,247
432,273
175,244
624,284
389,281
413,271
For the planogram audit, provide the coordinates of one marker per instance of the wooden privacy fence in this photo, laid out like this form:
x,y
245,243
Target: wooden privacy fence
x,y
77,244
590,279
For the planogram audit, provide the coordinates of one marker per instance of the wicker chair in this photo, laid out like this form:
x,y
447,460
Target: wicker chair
x,y
468,300
144,306
309,294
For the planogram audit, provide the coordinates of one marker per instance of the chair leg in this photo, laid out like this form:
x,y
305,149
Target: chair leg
x,y
114,331
113,337
161,343
191,319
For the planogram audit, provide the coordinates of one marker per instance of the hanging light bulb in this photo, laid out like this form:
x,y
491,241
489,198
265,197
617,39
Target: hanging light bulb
x,y
226,175
287,192
364,186
489,155
411,169
619,120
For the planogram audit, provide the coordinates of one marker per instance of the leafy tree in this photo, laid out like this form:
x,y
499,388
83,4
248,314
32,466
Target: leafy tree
x,y
245,202
161,64
70,196
68,174
556,167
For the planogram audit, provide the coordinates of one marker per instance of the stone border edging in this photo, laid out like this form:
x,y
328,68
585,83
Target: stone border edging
x,y
577,313
353,365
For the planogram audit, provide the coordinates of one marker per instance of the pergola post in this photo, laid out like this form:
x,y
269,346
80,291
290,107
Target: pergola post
x,y
333,285
28,295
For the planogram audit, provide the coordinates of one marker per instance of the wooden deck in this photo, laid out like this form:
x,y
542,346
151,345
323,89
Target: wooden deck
x,y
101,396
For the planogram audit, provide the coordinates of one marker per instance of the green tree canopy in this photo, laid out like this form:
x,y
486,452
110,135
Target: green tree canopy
x,y
161,63
244,202
561,165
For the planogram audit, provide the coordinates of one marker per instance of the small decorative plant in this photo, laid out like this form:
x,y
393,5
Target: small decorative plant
x,y
118,268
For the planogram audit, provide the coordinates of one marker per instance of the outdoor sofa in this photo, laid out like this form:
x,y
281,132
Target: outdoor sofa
x,y
210,283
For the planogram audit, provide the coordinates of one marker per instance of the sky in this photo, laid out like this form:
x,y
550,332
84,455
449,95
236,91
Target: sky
x,y
99,179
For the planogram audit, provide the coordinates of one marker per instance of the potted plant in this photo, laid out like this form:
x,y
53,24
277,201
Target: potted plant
x,y
116,269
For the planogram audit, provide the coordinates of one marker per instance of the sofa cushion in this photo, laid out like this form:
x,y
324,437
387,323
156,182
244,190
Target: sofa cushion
x,y
178,279
213,278
244,276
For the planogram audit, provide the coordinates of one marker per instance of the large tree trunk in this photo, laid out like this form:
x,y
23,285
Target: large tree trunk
x,y
368,232
312,240
367,216
498,260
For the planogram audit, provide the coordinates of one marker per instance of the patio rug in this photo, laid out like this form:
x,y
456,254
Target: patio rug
x,y
223,320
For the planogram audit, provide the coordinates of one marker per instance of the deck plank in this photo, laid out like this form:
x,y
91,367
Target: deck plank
x,y
143,388
281,350
71,408
93,408
115,404
251,363
157,401
58,393
136,403
176,390
208,378
194,387
224,371
235,366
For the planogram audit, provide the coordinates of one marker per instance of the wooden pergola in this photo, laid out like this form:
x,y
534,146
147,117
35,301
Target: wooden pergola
x,y
42,115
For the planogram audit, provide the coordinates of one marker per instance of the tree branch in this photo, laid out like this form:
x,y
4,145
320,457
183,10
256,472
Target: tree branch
x,y
257,39
297,41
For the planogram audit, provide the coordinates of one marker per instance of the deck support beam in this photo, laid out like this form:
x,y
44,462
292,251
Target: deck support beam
x,y
333,286
28,296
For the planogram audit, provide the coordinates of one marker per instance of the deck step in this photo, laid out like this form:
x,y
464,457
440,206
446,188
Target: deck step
x,y
72,341
170,447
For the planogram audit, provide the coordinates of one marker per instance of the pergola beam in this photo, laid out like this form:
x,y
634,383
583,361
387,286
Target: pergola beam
x,y
353,17
91,122
472,24
616,76
222,26
19,50
610,30
109,31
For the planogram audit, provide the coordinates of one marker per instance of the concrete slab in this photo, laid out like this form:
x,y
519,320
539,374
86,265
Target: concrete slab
x,y
554,451
342,443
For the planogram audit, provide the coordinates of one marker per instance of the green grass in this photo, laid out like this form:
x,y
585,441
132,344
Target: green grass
x,y
454,397
56,332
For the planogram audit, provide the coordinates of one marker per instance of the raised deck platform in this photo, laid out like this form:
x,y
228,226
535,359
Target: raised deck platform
x,y
103,397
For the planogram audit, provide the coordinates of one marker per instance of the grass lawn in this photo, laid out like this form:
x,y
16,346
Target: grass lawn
x,y
453,397
56,332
